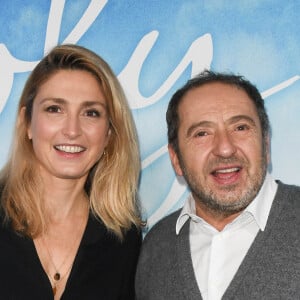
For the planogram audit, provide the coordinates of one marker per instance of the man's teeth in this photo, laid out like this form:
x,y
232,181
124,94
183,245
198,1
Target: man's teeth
x,y
70,149
228,170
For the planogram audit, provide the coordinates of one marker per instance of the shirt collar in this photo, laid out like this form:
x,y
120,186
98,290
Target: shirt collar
x,y
261,205
259,208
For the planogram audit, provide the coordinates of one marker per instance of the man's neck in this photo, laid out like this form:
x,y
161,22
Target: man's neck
x,y
216,219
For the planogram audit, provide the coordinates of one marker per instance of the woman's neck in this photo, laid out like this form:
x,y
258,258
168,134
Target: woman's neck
x,y
65,198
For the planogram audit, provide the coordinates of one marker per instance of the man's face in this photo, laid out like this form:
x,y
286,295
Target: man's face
x,y
222,154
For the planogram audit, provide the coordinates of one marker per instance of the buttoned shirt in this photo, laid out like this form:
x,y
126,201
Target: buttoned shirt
x,y
217,255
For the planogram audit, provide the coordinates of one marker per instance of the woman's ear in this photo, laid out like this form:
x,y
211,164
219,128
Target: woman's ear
x,y
21,121
108,136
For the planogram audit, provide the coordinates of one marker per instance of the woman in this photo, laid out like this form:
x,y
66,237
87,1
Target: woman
x,y
70,223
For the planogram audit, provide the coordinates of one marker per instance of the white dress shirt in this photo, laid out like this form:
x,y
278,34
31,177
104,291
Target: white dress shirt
x,y
217,255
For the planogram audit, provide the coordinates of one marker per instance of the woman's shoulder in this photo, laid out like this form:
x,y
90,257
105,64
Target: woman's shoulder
x,y
2,213
134,234
96,231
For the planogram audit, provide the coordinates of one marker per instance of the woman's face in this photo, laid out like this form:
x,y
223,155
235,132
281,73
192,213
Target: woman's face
x,y
70,125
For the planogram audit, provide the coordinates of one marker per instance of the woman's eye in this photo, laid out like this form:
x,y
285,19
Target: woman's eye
x,y
93,113
53,109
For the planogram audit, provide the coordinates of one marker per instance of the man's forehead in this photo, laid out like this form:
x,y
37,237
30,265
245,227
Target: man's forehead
x,y
216,97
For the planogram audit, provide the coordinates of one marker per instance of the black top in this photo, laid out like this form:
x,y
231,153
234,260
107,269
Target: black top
x,y
104,267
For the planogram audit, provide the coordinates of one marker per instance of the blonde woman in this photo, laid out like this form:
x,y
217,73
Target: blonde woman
x,y
70,220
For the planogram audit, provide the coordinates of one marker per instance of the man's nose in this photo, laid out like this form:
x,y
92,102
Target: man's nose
x,y
224,145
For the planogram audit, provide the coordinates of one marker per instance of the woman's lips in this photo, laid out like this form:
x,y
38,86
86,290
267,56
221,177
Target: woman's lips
x,y
70,148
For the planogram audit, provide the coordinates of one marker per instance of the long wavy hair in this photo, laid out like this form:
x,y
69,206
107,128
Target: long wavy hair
x,y
111,184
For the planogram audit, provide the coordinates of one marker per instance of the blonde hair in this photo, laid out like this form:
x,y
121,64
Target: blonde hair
x,y
112,182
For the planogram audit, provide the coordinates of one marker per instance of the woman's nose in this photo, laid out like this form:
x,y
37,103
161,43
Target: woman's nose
x,y
72,127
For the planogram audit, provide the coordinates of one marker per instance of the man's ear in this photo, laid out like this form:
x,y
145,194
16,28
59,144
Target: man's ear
x,y
268,148
175,161
21,121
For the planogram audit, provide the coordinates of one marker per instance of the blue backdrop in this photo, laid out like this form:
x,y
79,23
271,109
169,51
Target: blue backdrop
x,y
154,47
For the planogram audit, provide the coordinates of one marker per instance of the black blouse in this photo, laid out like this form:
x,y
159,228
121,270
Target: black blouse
x,y
104,267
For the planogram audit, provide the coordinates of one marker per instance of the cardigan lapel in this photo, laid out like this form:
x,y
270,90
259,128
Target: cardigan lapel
x,y
185,265
255,250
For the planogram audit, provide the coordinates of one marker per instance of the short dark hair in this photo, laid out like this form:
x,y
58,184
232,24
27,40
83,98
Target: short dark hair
x,y
210,77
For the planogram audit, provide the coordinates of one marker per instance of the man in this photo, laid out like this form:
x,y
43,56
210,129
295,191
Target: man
x,y
237,235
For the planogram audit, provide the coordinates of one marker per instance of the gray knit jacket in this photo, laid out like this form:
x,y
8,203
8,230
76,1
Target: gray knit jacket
x,y
270,269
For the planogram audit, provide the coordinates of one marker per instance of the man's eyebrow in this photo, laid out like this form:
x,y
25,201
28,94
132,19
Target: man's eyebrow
x,y
232,120
238,118
198,124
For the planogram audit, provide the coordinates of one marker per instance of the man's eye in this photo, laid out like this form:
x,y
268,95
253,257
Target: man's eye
x,y
93,113
201,133
53,109
242,127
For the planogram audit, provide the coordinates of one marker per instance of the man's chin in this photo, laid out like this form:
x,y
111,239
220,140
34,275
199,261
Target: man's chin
x,y
228,201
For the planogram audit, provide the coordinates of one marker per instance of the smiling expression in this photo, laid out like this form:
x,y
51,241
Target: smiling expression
x,y
222,154
69,127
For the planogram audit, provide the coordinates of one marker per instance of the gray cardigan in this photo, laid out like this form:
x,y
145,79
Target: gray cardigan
x,y
270,270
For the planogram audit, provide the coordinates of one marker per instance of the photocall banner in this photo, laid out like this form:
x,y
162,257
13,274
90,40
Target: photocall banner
x,y
154,47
